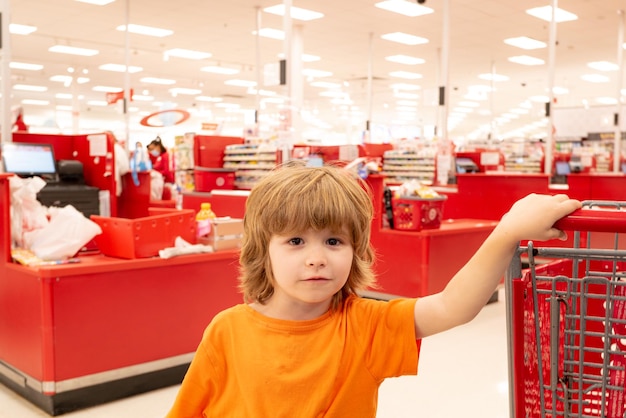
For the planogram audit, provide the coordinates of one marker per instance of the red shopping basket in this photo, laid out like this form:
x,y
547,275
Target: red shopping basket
x,y
416,213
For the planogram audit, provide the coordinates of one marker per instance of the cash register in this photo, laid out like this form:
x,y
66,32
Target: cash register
x,y
65,182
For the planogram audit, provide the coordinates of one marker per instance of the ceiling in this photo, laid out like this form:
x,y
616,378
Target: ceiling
x,y
347,39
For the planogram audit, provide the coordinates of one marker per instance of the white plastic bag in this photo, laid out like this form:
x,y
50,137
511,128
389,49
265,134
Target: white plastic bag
x,y
66,233
27,213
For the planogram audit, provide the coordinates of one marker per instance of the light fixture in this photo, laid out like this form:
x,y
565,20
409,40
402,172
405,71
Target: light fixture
x,y
30,87
25,66
405,74
326,84
218,69
157,80
277,34
406,8
187,53
525,42
35,102
405,59
17,29
142,98
146,30
120,68
240,83
526,60
96,2
603,66
107,89
545,13
65,49
295,12
404,38
595,78
186,91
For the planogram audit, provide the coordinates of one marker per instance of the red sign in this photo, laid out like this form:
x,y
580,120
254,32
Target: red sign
x,y
113,97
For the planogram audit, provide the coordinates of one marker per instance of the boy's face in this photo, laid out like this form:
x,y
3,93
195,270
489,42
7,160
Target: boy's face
x,y
308,268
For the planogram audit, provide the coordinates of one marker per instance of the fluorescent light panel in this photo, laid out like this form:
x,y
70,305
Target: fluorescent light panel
x,y
216,69
146,30
240,83
29,87
404,38
405,8
25,66
35,102
277,34
526,60
157,80
405,59
545,13
525,42
595,78
405,74
295,12
120,68
603,66
17,29
71,50
187,53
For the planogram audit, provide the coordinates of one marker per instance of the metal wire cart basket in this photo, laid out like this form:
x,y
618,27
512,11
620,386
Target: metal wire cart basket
x,y
566,319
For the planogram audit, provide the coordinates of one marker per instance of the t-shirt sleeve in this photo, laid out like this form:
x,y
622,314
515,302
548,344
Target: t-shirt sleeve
x,y
390,343
197,387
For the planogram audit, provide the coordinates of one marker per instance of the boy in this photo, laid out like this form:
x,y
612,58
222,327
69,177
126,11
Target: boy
x,y
303,344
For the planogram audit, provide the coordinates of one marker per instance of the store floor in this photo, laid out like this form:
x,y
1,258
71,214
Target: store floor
x,y
463,372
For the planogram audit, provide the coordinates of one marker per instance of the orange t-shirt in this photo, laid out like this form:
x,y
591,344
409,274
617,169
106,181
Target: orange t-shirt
x,y
249,365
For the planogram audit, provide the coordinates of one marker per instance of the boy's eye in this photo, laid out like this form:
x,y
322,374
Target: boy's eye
x,y
334,241
295,241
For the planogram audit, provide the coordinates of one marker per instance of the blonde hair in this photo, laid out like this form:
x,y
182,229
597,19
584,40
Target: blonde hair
x,y
294,198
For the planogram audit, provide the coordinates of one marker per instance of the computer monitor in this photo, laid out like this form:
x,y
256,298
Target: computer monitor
x,y
27,159
562,168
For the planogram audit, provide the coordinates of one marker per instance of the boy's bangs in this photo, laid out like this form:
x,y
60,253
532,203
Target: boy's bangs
x,y
317,206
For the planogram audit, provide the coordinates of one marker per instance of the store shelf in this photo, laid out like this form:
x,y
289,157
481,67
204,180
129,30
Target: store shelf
x,y
251,162
402,165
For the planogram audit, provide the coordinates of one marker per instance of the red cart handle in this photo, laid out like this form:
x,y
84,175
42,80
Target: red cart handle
x,y
593,220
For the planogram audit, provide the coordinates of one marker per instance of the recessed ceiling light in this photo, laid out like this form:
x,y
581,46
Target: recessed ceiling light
x,y
326,84
240,83
17,29
120,68
277,34
187,91
64,49
606,100
29,87
25,66
146,30
187,53
97,2
404,38
36,102
493,77
603,66
405,74
217,69
545,13
405,8
157,80
107,89
526,60
295,12
525,42
209,99
309,72
405,59
595,78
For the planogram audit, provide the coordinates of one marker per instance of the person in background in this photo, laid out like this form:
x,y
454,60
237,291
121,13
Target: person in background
x,y
160,160
303,343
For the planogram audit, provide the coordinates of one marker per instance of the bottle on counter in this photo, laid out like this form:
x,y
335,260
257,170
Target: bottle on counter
x,y
203,220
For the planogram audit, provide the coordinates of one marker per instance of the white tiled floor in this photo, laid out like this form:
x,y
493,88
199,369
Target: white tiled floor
x,y
463,373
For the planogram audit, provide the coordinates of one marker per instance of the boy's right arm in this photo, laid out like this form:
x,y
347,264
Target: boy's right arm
x,y
469,290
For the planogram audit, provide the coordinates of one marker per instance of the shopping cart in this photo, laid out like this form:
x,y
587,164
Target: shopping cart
x,y
566,319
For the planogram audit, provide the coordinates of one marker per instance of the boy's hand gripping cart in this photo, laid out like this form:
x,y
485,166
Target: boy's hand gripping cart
x,y
566,319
